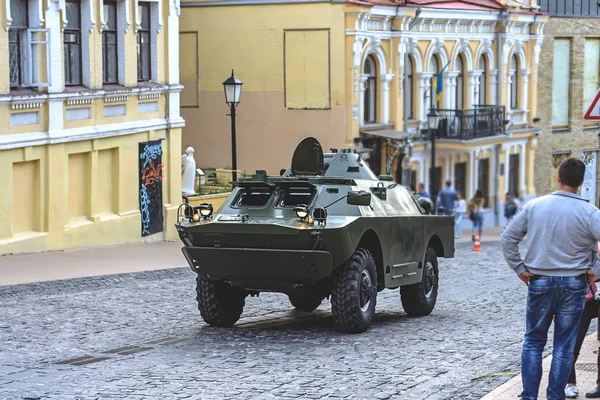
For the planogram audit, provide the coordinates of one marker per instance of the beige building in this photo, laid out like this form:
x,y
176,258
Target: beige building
x,y
569,79
364,70
90,130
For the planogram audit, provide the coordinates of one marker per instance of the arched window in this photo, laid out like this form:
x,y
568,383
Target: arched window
x,y
409,94
370,102
460,83
434,67
482,81
514,83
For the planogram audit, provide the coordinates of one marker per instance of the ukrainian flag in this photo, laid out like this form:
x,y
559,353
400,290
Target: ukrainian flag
x,y
438,84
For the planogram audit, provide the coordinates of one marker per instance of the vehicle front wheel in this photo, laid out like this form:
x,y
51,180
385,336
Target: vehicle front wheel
x,y
419,299
219,303
354,292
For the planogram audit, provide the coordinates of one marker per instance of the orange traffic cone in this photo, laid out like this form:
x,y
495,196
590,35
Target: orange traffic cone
x,y
477,246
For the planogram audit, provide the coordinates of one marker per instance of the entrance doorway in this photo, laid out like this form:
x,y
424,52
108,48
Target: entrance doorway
x,y
460,178
483,179
370,100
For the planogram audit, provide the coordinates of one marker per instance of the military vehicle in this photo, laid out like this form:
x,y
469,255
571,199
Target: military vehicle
x,y
294,234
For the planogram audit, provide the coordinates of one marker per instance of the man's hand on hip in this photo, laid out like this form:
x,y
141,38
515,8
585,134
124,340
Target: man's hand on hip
x,y
525,277
591,277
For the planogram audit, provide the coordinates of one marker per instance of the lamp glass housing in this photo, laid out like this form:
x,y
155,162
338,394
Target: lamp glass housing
x,y
233,89
433,118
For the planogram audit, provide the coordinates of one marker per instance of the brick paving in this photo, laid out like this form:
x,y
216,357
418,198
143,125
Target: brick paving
x,y
139,335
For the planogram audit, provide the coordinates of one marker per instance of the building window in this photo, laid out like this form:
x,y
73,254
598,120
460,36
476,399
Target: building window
x,y
72,43
514,83
460,83
591,73
143,43
434,68
370,90
110,63
481,99
560,85
16,34
409,95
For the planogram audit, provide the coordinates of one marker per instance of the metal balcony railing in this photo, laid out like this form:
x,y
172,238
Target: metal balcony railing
x,y
479,122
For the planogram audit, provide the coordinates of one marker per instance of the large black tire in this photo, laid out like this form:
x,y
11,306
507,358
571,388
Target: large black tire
x,y
305,300
354,292
219,303
419,299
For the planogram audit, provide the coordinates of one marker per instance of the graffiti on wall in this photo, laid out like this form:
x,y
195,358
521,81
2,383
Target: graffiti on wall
x,y
151,176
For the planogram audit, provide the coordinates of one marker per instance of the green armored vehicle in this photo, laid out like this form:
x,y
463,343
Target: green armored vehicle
x,y
327,227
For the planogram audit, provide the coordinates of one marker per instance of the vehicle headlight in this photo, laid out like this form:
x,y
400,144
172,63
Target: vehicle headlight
x,y
301,211
206,209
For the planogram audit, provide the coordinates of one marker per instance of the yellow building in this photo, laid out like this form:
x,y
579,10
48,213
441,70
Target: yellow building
x,y
89,123
343,71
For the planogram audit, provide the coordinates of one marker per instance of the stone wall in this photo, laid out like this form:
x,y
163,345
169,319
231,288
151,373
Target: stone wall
x,y
577,137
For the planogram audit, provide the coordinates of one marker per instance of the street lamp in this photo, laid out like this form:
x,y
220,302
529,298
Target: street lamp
x,y
233,91
432,124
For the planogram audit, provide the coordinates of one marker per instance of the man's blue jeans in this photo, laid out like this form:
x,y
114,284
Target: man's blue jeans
x,y
548,298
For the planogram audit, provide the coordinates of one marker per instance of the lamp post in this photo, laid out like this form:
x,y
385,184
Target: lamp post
x,y
233,91
432,125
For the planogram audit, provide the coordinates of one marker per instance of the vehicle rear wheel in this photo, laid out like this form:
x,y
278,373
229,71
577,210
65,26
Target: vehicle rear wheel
x,y
305,300
219,303
419,299
354,292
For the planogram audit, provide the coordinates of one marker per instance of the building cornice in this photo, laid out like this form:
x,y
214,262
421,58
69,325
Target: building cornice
x,y
254,2
382,35
17,140
90,94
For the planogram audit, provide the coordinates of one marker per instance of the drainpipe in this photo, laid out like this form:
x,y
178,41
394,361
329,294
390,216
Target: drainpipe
x,y
498,148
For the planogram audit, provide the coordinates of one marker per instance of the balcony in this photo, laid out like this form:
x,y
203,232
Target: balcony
x,y
479,122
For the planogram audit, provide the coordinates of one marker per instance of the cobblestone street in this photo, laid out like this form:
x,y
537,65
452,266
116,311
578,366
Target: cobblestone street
x,y
140,336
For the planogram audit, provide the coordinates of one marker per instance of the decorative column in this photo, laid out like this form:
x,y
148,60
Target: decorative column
x,y
506,167
522,166
450,91
524,91
385,91
494,87
471,173
423,86
55,76
361,99
476,170
173,49
474,83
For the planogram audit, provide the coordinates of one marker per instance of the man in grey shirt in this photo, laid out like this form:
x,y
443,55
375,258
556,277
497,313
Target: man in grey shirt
x,y
563,232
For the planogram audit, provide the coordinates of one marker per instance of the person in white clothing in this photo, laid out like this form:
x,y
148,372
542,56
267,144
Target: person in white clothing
x,y
460,208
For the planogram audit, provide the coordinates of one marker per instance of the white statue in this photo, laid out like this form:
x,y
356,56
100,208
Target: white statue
x,y
188,172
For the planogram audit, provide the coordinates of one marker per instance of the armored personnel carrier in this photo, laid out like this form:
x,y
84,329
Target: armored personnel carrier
x,y
326,227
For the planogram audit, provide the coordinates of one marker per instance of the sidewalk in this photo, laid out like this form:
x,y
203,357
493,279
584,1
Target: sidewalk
x,y
79,263
586,368
488,235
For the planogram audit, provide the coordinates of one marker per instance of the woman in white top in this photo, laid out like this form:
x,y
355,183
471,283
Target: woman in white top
x,y
460,208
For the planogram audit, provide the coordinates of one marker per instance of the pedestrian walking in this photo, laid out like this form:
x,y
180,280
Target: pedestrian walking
x,y
563,231
447,198
476,213
422,192
511,205
460,209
